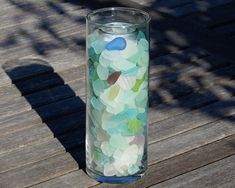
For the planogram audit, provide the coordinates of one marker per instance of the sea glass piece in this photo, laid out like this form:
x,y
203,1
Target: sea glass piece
x,y
130,49
122,64
118,43
113,77
99,46
97,104
98,87
134,125
103,72
144,43
126,82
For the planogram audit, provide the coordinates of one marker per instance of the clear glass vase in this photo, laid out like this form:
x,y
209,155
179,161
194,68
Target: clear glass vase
x,y
117,94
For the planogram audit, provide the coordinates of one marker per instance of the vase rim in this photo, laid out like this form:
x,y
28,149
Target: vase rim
x,y
146,16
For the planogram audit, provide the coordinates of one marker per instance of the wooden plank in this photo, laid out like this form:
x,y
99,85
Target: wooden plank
x,y
191,78
19,121
58,58
68,123
26,68
24,137
14,107
198,6
175,67
160,110
183,163
175,60
41,149
214,17
57,128
190,140
191,120
33,12
76,87
42,40
156,5
162,48
10,91
41,114
212,62
170,3
29,155
55,110
21,104
51,111
227,72
39,83
37,99
228,29
70,180
38,172
167,109
219,174
5,80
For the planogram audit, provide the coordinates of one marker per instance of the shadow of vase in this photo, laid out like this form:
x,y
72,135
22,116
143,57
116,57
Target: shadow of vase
x,y
53,100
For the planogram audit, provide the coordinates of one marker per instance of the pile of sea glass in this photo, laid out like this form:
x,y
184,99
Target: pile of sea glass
x,y
117,102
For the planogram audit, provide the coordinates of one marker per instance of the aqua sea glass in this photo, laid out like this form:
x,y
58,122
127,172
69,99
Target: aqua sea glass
x,y
117,94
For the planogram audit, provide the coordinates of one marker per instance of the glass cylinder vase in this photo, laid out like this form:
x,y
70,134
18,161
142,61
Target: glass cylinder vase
x,y
117,94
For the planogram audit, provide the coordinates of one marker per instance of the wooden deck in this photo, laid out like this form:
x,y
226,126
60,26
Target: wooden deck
x,y
42,92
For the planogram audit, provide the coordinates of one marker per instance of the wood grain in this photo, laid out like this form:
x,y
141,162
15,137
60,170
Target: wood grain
x,y
19,121
71,180
191,120
194,7
30,154
159,112
38,172
190,140
24,137
219,174
215,17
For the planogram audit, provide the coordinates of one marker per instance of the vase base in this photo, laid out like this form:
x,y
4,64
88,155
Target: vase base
x,y
114,179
